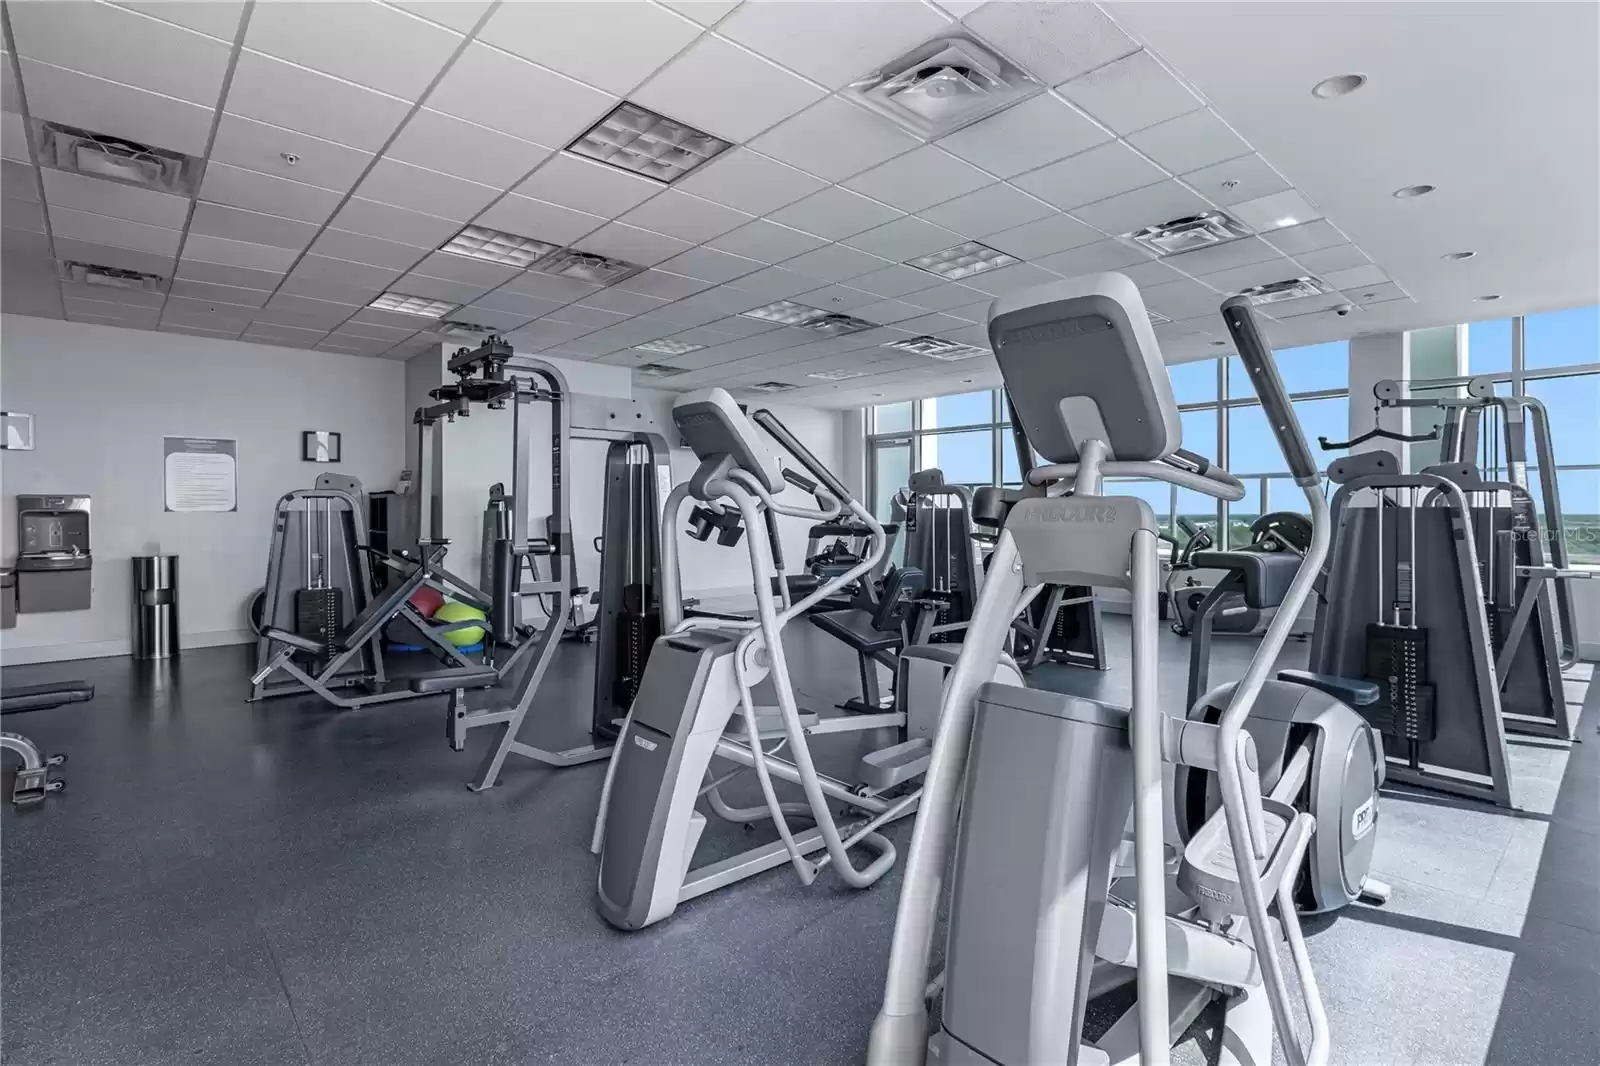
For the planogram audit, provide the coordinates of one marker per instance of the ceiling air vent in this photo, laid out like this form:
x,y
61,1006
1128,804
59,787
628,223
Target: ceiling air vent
x,y
1188,234
586,266
667,346
837,325
784,313
772,386
657,370
1279,291
638,140
838,375
101,156
938,348
943,85
111,277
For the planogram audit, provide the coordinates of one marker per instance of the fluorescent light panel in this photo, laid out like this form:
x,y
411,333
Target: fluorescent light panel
x,y
667,346
785,313
938,348
421,306
962,261
495,246
635,139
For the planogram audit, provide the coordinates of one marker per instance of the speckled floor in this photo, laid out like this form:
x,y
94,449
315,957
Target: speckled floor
x,y
280,883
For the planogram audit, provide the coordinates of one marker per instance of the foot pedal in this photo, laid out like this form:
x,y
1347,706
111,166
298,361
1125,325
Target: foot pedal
x,y
895,765
1209,872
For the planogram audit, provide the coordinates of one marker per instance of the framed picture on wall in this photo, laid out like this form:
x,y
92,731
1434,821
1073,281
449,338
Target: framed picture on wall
x,y
16,431
320,446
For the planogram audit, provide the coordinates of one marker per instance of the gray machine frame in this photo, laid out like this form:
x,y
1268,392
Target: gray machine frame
x,y
1025,904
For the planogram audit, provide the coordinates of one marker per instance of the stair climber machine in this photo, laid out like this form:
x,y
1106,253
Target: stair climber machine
x,y
695,704
1051,904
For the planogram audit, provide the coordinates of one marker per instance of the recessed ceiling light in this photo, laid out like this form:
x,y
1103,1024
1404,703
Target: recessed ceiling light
x,y
1338,85
962,261
412,305
785,313
100,155
1288,221
967,381
667,346
635,139
1486,299
943,85
1188,233
586,266
495,246
1411,192
1457,257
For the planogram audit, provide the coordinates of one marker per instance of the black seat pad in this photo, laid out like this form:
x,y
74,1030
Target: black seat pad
x,y
449,680
1267,575
42,697
855,628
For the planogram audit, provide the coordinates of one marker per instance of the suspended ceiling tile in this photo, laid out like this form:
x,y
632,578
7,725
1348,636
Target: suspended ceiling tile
x,y
1090,176
726,91
239,277
745,181
766,241
1252,176
1309,237
465,269
237,253
835,213
122,46
417,189
904,238
631,244
1045,237
102,106
282,94
255,191
219,294
463,149
308,309
476,313
945,296
1356,277
662,285
578,315
438,288
17,179
235,224
585,185
25,215
458,15
1254,274
215,18
505,93
1222,257
705,12
708,264
208,313
896,280
773,283
806,36
1025,136
1054,42
314,275
549,287
837,298
261,147
618,302
919,179
394,223
367,43
527,217
1190,142
1009,279
612,48
1093,258
359,248
1339,257
511,303
116,232
1131,93
1149,206
989,210
835,262
835,139
683,215
117,199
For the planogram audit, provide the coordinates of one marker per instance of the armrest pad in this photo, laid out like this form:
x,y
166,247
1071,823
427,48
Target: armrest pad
x,y
450,680
1357,692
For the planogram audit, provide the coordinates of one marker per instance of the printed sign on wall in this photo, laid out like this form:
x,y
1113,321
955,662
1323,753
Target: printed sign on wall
x,y
201,474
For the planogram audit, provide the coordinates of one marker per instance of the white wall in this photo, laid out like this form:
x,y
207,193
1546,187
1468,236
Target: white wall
x,y
103,398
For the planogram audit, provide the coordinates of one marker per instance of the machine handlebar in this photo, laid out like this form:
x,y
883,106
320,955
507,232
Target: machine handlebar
x,y
780,433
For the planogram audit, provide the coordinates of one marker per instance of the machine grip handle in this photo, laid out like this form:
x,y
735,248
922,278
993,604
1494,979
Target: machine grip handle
x,y
1257,358
799,481
780,433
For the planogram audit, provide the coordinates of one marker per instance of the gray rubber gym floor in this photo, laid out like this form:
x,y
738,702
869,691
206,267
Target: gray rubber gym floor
x,y
282,883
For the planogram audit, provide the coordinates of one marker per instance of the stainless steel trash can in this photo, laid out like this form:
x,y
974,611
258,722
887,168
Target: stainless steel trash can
x,y
155,606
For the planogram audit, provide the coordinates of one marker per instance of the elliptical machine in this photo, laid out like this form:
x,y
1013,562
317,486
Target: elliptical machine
x,y
1046,909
